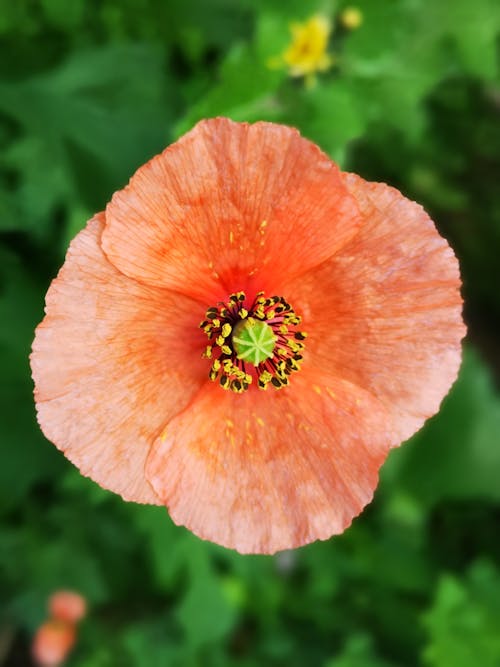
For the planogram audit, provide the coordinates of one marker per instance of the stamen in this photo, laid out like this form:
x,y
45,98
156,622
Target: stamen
x,y
252,340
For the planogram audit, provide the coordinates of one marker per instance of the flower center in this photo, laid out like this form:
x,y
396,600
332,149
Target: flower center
x,y
257,340
253,340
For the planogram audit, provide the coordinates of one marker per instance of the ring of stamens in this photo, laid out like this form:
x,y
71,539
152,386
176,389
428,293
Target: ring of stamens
x,y
248,341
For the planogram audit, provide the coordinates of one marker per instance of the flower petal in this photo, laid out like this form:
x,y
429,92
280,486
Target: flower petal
x,y
228,204
109,364
265,471
385,312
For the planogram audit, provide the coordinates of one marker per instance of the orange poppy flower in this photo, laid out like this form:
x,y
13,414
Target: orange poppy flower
x,y
52,643
172,365
67,606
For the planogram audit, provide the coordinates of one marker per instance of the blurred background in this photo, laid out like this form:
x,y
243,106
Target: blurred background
x,y
402,91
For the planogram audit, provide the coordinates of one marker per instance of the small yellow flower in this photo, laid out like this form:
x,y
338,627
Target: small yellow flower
x,y
351,18
306,53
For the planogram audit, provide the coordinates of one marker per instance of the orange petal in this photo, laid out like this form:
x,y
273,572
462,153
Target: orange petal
x,y
385,312
227,206
67,606
52,643
109,364
265,471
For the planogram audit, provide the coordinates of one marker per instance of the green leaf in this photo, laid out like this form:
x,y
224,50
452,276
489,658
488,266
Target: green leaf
x,y
151,643
206,613
246,91
474,29
328,114
402,50
358,652
165,542
462,624
62,14
10,216
44,184
25,456
88,125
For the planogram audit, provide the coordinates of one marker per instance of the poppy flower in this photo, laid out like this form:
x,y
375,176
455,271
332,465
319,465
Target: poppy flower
x,y
67,606
244,334
52,643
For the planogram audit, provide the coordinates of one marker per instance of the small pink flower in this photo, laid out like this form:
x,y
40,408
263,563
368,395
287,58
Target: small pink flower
x,y
67,606
53,642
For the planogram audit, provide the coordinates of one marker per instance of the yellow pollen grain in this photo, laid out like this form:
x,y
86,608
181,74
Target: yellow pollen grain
x,y
248,432
260,421
229,435
317,389
229,423
231,236
331,393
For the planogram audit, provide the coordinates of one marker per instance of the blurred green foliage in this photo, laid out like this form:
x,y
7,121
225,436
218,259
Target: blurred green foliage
x,y
89,91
